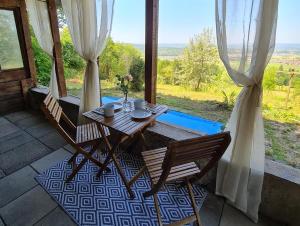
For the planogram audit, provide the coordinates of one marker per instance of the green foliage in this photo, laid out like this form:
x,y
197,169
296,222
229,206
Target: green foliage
x,y
281,78
296,86
116,59
228,99
269,80
200,59
72,61
42,61
165,71
198,65
137,68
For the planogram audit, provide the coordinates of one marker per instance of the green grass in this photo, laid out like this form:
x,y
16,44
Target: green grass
x,y
281,123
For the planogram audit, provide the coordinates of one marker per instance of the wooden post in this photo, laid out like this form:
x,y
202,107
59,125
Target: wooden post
x,y
59,67
28,57
151,40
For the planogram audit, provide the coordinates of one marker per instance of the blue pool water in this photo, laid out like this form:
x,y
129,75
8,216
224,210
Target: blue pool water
x,y
184,120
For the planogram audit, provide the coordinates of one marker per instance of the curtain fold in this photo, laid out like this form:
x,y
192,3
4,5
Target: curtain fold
x,y
39,20
246,31
89,23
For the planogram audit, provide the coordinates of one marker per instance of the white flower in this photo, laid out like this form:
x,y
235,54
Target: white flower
x,y
129,77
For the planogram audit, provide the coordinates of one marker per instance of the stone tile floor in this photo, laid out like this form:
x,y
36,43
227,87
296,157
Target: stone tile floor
x,y
28,146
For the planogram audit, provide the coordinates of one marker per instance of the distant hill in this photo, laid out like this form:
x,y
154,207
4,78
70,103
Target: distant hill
x,y
167,50
173,50
287,48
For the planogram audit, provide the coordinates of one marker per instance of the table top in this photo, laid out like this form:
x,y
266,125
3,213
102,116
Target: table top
x,y
123,122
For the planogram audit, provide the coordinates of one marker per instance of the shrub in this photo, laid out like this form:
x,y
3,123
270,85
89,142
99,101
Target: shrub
x,y
228,99
42,61
137,72
269,80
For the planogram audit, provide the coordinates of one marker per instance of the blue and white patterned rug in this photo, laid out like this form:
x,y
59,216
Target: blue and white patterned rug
x,y
105,201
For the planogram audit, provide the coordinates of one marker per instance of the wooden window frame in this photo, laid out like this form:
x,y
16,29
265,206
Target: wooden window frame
x,y
28,70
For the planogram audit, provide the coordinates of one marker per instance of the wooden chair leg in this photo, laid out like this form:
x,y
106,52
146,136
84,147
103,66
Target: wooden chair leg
x,y
156,204
73,158
137,175
193,201
151,192
87,156
75,171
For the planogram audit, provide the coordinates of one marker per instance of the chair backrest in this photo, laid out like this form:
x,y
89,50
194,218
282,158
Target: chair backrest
x,y
210,147
51,108
54,113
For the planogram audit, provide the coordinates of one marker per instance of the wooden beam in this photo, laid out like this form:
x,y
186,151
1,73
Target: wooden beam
x,y
6,4
151,40
59,67
28,56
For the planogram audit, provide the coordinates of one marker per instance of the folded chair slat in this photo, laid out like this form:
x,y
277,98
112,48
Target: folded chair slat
x,y
153,152
58,114
51,104
47,99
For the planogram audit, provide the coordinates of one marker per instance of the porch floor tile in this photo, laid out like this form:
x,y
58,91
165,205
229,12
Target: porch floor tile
x,y
29,208
49,160
14,185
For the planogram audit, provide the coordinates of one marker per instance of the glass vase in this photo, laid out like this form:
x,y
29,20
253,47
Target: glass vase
x,y
126,104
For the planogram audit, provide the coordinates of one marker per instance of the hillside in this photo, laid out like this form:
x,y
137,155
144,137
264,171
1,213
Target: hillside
x,y
171,51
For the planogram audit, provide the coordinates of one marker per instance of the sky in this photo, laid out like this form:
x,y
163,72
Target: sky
x,y
181,20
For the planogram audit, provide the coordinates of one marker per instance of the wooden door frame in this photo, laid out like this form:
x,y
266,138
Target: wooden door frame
x,y
22,26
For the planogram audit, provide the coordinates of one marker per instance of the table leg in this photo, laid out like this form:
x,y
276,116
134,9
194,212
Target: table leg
x,y
110,151
139,137
143,139
111,155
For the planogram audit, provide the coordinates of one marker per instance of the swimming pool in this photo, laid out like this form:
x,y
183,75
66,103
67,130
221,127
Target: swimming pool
x,y
183,120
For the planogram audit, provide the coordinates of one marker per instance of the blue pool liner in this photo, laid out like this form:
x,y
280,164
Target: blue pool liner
x,y
183,120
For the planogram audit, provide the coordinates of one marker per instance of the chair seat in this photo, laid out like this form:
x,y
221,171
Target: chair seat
x,y
88,132
154,159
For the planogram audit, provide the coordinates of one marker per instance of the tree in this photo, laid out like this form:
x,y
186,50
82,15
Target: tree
x,y
177,71
73,63
137,69
165,71
200,59
42,61
281,79
269,80
116,59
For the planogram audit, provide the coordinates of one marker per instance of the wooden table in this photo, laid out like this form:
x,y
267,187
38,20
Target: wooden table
x,y
125,128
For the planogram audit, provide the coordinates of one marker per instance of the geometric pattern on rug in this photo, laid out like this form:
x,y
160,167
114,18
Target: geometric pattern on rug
x,y
104,201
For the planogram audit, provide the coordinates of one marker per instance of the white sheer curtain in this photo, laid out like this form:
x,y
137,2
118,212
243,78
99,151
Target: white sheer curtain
x,y
90,25
246,32
39,20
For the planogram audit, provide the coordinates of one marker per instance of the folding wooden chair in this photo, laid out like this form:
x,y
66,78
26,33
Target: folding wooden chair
x,y
85,139
177,162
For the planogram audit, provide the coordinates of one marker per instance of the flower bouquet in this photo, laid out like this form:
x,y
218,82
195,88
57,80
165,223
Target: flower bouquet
x,y
123,84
